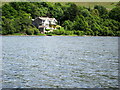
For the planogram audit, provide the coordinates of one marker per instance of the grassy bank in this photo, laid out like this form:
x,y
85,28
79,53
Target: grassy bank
x,y
40,34
23,34
19,34
108,5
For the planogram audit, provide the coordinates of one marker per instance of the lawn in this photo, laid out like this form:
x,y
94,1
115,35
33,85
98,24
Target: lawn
x,y
108,5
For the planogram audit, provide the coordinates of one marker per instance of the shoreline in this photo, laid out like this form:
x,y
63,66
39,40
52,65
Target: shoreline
x,y
61,35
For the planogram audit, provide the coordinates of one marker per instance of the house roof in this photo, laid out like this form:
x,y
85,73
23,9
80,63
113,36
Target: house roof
x,y
46,18
43,18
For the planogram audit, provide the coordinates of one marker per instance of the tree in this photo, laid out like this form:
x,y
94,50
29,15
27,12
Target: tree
x,y
58,4
57,12
118,4
80,23
68,25
22,22
95,27
102,10
85,13
30,31
95,12
118,33
8,11
71,12
115,14
36,31
7,26
89,32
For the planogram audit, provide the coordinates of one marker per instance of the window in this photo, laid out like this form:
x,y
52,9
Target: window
x,y
40,24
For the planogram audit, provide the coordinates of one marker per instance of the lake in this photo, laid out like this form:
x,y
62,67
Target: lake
x,y
59,62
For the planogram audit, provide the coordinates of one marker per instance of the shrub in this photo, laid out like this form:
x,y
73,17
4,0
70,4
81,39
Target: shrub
x,y
47,29
79,33
30,31
36,31
69,33
118,33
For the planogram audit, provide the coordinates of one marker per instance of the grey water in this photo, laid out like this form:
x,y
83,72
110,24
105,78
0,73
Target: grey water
x,y
59,62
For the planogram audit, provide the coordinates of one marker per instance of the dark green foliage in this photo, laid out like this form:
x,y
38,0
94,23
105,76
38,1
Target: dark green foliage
x,y
95,12
15,19
102,10
32,31
8,11
7,26
68,25
80,23
36,31
118,4
71,12
61,32
115,13
79,33
118,33
76,20
85,13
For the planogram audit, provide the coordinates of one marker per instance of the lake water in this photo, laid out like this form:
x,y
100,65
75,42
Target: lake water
x,y
59,62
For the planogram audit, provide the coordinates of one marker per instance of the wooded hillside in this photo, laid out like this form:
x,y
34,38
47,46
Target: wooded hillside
x,y
76,19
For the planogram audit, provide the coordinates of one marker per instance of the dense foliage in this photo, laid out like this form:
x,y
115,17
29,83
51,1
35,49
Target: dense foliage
x,y
78,20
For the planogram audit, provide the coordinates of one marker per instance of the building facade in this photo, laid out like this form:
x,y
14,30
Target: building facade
x,y
45,24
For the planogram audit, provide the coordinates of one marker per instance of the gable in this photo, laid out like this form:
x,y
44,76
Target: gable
x,y
45,20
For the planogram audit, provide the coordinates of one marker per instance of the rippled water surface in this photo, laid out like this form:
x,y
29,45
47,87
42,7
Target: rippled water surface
x,y
59,61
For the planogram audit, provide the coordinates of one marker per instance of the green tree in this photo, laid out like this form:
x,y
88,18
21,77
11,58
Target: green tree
x,y
89,32
8,11
80,23
7,26
36,31
95,12
85,13
102,10
79,33
67,25
71,12
30,31
115,14
118,4
118,33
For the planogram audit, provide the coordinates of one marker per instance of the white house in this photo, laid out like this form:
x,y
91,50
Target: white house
x,y
45,24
